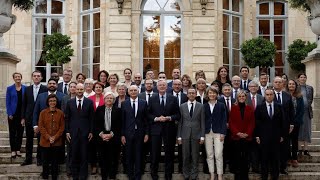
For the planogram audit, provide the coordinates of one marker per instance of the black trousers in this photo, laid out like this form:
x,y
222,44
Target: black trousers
x,y
79,155
169,144
29,140
241,151
134,155
50,155
92,149
109,155
255,155
15,132
39,150
293,140
284,153
270,156
228,153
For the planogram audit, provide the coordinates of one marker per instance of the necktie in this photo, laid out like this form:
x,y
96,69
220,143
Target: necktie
x,y
245,85
177,94
79,105
253,102
134,108
270,111
65,90
235,94
191,110
262,91
278,98
162,105
108,119
35,93
228,104
149,95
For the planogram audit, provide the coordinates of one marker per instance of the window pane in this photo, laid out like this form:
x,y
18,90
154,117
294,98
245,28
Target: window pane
x,y
264,9
172,5
85,56
96,55
41,7
225,38
39,41
280,57
172,47
96,3
40,61
86,70
266,37
85,4
57,7
236,5
279,71
41,26
279,8
96,70
96,21
56,25
279,42
86,23
236,40
226,4
96,38
225,22
264,27
235,24
151,26
151,47
279,27
57,69
225,56
169,65
85,39
236,57
43,71
172,26
162,3
153,64
235,70
151,5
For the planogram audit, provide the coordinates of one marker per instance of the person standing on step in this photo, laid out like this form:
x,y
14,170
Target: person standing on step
x,y
63,86
244,72
30,97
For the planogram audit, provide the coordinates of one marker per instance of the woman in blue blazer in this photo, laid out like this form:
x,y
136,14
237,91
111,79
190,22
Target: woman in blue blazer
x,y
14,101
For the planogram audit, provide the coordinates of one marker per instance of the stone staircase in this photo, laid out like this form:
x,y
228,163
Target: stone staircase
x,y
309,167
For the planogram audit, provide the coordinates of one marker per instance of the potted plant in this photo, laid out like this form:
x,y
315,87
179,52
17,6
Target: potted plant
x,y
57,49
258,52
297,52
7,18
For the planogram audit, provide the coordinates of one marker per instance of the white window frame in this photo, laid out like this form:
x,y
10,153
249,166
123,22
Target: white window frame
x,y
231,14
271,17
162,13
91,11
49,17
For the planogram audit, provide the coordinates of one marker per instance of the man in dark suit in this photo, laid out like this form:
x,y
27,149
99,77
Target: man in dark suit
x,y
41,105
137,81
63,86
285,100
254,99
191,133
148,93
227,100
135,131
30,97
244,72
182,98
263,79
236,80
175,75
79,128
269,118
108,132
163,111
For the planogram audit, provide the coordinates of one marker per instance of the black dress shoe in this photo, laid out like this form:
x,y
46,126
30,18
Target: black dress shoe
x,y
26,163
39,163
306,153
284,172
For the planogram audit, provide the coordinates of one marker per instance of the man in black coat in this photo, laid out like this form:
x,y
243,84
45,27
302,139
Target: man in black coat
x,y
270,130
163,112
30,97
64,86
79,128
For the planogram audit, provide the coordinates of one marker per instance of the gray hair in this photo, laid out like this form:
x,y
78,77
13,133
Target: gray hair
x,y
110,93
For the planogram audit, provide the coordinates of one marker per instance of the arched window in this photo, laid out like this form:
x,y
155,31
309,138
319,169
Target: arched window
x,y
48,17
272,22
90,37
161,36
232,35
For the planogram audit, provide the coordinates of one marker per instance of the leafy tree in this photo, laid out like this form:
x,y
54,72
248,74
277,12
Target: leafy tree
x,y
23,5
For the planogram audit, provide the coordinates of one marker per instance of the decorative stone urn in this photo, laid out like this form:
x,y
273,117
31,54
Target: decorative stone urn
x,y
314,21
6,21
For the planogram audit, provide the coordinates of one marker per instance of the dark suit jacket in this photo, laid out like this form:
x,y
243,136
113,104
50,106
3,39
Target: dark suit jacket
x,y
12,99
154,110
259,90
218,118
241,85
129,120
99,119
170,84
221,99
259,99
288,109
245,125
41,105
198,99
143,95
116,102
183,97
81,121
270,130
29,103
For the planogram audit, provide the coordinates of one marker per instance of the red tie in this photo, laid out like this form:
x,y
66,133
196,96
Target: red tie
x,y
253,102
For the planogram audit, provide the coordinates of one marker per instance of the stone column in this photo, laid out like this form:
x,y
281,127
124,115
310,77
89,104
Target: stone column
x,y
312,63
8,64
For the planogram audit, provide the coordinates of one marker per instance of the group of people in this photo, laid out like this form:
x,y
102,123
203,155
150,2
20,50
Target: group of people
x,y
236,122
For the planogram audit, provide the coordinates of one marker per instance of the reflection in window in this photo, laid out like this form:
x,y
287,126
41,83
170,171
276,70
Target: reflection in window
x,y
232,24
273,28
48,18
90,38
161,36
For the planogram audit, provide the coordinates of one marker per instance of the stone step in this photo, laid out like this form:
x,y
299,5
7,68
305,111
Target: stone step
x,y
6,142
147,176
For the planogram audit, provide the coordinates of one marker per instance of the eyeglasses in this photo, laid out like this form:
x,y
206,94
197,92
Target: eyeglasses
x,y
52,100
